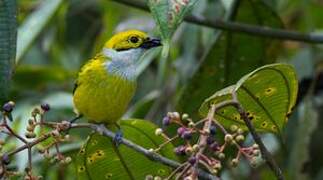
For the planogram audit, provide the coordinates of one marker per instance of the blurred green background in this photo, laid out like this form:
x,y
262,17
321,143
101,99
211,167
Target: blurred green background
x,y
56,37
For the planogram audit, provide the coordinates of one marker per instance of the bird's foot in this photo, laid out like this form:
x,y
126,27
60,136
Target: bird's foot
x,y
118,138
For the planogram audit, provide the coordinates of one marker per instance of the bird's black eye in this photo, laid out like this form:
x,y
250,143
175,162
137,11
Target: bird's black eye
x,y
134,39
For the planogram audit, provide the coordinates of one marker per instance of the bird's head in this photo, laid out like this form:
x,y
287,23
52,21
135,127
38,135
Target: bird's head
x,y
125,48
131,39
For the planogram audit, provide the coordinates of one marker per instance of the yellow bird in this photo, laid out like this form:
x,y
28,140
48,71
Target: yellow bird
x,y
107,82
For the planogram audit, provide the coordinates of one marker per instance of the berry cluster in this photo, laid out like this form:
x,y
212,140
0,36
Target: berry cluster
x,y
37,131
205,143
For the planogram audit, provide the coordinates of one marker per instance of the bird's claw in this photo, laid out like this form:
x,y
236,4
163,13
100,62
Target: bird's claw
x,y
118,138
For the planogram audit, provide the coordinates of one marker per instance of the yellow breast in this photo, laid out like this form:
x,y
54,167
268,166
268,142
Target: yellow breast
x,y
100,96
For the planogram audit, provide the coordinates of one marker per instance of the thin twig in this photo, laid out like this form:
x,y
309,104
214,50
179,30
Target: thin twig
x,y
29,160
264,152
203,138
176,171
29,144
239,27
14,134
182,173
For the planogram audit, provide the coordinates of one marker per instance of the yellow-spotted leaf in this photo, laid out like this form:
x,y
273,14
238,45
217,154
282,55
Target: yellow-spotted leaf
x,y
231,56
268,95
99,158
169,14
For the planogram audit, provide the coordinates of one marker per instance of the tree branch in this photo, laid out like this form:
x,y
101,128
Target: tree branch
x,y
264,152
152,155
239,27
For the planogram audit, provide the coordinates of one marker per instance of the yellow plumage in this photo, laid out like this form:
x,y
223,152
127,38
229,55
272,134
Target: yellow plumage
x,y
102,97
106,84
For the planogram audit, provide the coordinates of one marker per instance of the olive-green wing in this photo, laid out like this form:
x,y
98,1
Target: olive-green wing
x,y
77,81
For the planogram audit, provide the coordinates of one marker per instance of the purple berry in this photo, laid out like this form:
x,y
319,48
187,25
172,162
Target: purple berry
x,y
192,160
186,135
166,121
8,107
181,130
215,146
5,159
45,107
210,140
180,150
212,130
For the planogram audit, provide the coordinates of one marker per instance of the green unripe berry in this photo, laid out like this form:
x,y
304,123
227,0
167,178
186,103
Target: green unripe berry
x,y
67,137
191,124
188,150
233,128
195,147
253,162
151,150
158,132
157,178
217,166
35,112
185,116
30,135
68,160
30,128
234,162
149,177
240,131
62,162
228,138
255,146
214,171
239,138
221,155
176,115
206,131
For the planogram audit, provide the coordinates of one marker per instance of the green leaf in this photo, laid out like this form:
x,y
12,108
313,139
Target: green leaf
x,y
268,95
34,24
100,158
8,21
169,14
231,56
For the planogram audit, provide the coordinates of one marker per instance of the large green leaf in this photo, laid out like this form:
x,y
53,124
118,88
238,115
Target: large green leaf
x,y
169,14
268,95
100,158
34,24
8,21
231,56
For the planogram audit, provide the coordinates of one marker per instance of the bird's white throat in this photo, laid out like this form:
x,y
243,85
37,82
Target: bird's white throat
x,y
123,63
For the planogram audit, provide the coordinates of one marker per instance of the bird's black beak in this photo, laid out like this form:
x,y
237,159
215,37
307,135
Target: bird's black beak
x,y
151,43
